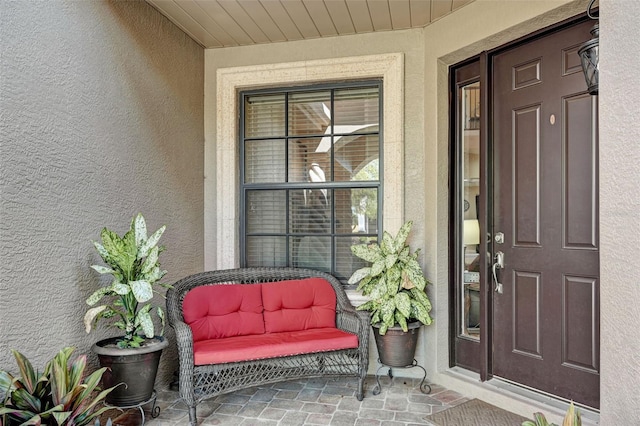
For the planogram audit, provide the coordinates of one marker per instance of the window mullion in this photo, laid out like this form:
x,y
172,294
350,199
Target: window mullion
x,y
320,213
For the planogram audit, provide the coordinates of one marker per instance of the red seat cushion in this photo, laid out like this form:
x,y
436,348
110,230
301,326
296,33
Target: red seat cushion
x,y
271,345
298,305
218,311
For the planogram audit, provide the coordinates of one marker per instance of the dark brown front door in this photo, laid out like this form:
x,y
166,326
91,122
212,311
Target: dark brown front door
x,y
545,325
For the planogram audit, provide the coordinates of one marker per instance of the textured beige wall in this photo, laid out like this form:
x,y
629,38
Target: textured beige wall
x,y
619,213
101,116
427,52
409,42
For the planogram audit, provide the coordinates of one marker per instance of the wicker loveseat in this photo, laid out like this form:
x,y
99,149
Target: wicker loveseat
x,y
245,327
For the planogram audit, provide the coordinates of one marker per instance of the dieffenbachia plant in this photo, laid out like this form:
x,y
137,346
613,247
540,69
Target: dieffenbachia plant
x,y
133,262
394,282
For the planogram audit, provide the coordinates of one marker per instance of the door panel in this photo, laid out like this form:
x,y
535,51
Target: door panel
x,y
525,175
545,326
580,198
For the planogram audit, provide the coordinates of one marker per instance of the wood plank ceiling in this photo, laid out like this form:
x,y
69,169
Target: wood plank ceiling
x,y
229,23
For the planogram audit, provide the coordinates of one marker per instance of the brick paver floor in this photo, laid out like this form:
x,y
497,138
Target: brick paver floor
x,y
306,402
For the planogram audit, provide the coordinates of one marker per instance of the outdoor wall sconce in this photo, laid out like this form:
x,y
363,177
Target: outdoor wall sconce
x,y
589,56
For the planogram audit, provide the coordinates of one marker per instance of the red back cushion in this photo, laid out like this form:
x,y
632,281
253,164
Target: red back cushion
x,y
216,311
298,305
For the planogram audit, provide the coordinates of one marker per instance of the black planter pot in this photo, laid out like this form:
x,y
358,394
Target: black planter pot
x,y
135,367
396,348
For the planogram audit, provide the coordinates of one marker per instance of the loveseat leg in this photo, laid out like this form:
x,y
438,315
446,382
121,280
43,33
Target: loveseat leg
x,y
360,394
193,421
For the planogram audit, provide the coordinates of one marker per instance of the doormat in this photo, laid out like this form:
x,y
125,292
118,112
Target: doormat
x,y
475,413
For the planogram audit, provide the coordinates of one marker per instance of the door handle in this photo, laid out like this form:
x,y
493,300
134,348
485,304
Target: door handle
x,y
497,264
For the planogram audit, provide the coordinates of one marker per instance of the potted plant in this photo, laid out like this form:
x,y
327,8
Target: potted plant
x,y
63,394
571,418
395,285
132,358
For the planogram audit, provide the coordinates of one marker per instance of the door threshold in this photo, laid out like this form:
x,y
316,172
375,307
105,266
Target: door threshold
x,y
514,397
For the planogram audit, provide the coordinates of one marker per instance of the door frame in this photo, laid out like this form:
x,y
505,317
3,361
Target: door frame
x,y
485,205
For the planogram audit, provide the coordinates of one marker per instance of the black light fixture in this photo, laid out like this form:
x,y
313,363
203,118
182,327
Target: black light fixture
x,y
589,56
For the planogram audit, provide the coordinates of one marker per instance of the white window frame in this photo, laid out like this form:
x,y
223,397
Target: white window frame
x,y
222,248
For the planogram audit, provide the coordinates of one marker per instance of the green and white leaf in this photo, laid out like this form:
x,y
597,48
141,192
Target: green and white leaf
x,y
413,274
120,288
358,275
383,328
142,290
108,313
419,312
402,321
369,252
148,244
387,244
379,290
365,285
122,252
403,304
390,260
421,298
104,254
146,323
387,312
366,306
161,315
91,315
401,237
151,261
120,324
392,287
405,254
140,229
393,275
377,268
97,295
102,269
154,275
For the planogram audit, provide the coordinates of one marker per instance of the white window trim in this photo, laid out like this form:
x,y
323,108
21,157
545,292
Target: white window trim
x,y
222,246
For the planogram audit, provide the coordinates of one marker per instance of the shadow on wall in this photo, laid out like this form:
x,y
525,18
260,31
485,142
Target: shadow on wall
x,y
164,79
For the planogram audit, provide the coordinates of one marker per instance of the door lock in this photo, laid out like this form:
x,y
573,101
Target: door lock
x,y
497,264
499,238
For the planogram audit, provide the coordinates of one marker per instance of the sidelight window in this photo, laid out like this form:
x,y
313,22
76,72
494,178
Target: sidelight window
x,y
469,143
467,325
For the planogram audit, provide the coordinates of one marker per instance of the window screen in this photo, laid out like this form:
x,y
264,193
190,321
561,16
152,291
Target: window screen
x,y
310,175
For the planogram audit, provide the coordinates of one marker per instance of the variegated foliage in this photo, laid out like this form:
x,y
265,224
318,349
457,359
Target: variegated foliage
x,y
572,418
61,395
133,262
394,282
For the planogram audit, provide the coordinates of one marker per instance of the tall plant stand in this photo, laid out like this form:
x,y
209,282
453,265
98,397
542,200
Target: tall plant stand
x,y
424,387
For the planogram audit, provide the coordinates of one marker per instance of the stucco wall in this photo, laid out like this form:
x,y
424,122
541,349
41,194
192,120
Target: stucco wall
x,y
409,43
619,212
101,116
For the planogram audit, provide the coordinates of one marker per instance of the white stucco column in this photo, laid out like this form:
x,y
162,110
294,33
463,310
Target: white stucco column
x,y
619,212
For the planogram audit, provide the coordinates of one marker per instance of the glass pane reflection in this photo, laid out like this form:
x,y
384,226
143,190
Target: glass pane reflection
x,y
468,220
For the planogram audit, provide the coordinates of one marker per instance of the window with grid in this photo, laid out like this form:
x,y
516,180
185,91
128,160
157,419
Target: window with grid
x,y
311,183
